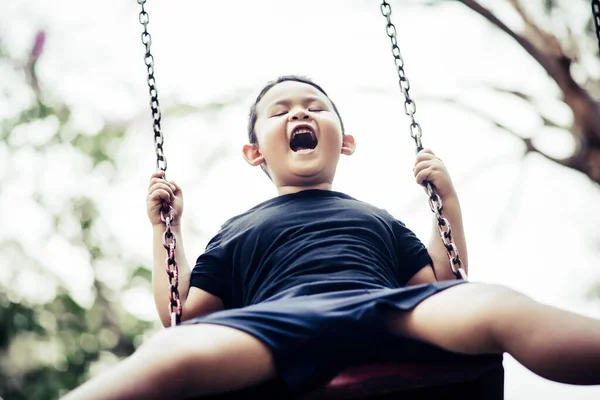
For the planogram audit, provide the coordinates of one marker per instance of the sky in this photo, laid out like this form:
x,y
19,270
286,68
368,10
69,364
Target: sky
x,y
530,224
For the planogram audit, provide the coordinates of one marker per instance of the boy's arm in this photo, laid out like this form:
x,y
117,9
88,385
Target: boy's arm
x,y
160,281
436,248
428,167
194,301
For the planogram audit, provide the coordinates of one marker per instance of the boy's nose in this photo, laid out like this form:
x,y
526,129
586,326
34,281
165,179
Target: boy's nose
x,y
299,114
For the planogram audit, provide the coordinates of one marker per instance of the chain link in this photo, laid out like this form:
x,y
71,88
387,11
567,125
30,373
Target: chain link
x,y
161,160
170,244
410,109
596,17
167,214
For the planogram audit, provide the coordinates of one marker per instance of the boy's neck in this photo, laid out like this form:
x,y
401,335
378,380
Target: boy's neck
x,y
295,189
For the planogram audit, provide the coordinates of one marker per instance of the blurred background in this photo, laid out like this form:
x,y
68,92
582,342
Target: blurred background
x,y
506,93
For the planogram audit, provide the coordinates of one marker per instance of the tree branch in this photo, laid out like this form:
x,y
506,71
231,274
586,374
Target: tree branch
x,y
539,37
530,147
556,63
525,44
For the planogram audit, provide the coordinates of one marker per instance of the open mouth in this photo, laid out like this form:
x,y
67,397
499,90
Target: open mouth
x,y
303,139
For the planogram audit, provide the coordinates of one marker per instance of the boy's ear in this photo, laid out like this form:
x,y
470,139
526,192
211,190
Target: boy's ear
x,y
348,144
252,154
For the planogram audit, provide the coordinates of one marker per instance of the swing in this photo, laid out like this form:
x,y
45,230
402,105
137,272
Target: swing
x,y
470,377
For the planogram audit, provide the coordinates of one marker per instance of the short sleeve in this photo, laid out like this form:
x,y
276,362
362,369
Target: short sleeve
x,y
411,252
212,271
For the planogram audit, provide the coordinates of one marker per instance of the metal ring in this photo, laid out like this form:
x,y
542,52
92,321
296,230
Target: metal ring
x,y
390,29
415,130
410,107
386,9
146,38
144,18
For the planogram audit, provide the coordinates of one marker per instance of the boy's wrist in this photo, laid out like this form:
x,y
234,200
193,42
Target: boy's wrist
x,y
449,199
448,195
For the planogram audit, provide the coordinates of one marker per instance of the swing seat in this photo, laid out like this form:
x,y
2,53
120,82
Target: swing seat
x,y
481,378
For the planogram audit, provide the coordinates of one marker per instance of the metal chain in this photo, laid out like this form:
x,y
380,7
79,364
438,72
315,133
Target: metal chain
x,y
170,244
167,213
161,160
596,17
410,108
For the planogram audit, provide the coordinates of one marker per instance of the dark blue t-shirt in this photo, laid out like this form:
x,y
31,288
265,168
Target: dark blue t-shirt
x,y
313,236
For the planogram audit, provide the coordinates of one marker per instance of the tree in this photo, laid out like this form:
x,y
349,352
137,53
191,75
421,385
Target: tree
x,y
560,56
52,345
49,347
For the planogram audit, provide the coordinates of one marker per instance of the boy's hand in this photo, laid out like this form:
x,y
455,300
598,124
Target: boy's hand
x,y
428,167
161,191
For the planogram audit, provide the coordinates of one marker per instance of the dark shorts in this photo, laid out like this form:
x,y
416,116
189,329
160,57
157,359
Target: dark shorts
x,y
313,335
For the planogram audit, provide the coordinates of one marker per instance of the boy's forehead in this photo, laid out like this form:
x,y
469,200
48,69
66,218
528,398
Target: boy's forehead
x,y
290,90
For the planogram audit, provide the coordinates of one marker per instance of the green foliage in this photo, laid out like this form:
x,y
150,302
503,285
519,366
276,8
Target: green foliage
x,y
50,347
594,292
75,338
98,147
549,6
15,317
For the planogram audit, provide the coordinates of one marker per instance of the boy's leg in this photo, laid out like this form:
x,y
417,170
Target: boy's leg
x,y
478,319
182,362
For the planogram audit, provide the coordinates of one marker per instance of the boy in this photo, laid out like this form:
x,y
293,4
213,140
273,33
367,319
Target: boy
x,y
312,281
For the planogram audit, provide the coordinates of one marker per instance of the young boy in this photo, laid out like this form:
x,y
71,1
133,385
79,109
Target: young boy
x,y
312,281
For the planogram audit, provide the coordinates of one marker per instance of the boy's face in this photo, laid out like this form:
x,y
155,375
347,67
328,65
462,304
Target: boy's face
x,y
299,136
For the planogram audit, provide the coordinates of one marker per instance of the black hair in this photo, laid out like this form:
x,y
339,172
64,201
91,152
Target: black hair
x,y
252,117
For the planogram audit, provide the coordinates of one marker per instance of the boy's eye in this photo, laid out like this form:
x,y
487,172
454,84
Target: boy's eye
x,y
280,113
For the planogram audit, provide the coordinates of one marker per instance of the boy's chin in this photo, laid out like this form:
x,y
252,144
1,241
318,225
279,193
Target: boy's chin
x,y
309,177
306,169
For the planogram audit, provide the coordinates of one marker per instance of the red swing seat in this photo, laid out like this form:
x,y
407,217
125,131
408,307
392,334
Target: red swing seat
x,y
481,378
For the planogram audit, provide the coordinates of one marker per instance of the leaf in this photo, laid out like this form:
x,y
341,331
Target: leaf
x,y
549,6
142,272
101,146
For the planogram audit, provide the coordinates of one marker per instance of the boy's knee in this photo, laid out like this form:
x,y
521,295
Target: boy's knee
x,y
499,295
504,308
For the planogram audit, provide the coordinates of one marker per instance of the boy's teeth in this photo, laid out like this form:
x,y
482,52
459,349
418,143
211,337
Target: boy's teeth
x,y
301,131
303,140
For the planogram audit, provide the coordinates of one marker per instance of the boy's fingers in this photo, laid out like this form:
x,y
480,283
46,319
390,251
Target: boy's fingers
x,y
175,187
153,182
156,175
426,151
422,176
420,166
424,156
156,192
161,186
160,195
156,180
